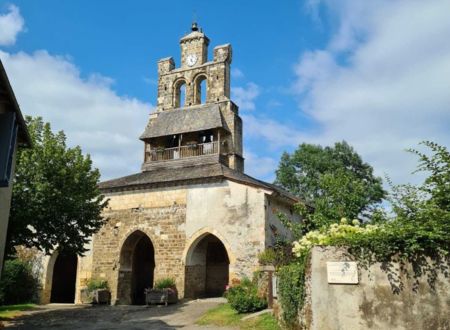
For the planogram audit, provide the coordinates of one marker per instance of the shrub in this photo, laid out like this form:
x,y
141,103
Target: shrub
x,y
95,283
18,283
278,255
267,257
165,283
244,297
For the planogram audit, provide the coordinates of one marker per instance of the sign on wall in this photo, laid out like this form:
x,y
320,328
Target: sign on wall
x,y
342,272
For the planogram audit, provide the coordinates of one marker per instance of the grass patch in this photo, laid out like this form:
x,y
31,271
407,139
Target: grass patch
x,y
263,322
10,311
224,315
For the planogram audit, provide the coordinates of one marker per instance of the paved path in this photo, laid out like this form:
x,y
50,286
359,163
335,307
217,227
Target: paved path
x,y
81,317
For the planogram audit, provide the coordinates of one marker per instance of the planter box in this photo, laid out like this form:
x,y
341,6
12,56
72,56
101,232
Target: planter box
x,y
161,296
99,296
86,296
102,296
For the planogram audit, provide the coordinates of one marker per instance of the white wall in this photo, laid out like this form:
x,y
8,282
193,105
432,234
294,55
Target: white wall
x,y
235,213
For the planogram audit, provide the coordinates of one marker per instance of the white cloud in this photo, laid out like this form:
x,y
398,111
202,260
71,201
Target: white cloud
x,y
91,113
392,90
260,167
245,97
381,83
236,73
274,133
11,24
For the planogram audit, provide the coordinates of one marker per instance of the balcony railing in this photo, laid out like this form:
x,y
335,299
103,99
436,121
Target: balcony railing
x,y
194,150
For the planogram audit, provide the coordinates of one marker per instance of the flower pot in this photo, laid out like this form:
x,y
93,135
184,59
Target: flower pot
x,y
161,296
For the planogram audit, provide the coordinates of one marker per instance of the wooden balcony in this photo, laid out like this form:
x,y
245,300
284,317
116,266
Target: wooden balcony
x,y
194,150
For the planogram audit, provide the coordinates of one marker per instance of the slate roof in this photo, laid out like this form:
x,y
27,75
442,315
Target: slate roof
x,y
178,121
191,173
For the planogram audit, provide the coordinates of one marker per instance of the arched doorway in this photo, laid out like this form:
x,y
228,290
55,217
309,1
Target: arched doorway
x,y
207,268
64,278
137,264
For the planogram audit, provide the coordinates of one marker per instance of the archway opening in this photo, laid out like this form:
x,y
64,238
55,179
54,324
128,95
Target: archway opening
x,y
200,90
180,94
64,278
137,265
207,268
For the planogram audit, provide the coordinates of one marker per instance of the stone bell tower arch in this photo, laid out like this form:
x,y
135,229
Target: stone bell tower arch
x,y
183,89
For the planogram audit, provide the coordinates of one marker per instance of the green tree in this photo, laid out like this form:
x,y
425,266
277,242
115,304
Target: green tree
x,y
437,184
55,201
426,207
335,180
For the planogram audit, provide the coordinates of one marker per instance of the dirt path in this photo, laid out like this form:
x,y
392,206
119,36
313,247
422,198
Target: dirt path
x,y
80,317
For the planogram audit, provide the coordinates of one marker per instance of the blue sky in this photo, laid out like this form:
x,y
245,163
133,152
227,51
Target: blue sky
x,y
375,73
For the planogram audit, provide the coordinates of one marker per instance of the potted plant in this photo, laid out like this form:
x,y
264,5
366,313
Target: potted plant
x,y
96,292
163,292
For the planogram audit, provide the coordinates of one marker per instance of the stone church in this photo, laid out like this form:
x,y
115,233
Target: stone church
x,y
191,214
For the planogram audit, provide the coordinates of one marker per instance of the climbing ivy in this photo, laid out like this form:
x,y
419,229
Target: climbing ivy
x,y
291,289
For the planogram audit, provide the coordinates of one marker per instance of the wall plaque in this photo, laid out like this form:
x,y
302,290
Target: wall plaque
x,y
343,272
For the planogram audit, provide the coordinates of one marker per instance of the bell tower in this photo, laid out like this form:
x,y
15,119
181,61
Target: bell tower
x,y
195,121
194,48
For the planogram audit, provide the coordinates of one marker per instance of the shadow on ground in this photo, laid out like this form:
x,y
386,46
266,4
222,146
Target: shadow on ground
x,y
82,317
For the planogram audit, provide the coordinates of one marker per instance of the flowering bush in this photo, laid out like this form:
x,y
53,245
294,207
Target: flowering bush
x,y
417,233
333,235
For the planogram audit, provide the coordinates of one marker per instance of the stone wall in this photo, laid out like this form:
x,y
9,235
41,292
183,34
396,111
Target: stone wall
x,y
216,72
84,273
163,225
235,214
175,219
372,304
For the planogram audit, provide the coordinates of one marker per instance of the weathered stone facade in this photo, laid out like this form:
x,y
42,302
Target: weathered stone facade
x,y
191,214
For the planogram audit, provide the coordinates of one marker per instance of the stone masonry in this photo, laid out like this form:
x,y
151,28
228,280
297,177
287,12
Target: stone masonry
x,y
191,214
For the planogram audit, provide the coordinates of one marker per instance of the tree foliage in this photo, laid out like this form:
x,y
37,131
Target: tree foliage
x,y
335,180
416,234
56,201
19,284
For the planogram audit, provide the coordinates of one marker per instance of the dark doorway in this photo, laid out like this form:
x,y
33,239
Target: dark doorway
x,y
216,269
142,269
64,278
207,268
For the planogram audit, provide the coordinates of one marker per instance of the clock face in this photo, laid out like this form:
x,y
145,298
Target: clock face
x,y
191,59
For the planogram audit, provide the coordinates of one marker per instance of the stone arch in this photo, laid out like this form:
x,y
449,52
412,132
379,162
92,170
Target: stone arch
x,y
207,265
61,278
200,88
136,268
179,93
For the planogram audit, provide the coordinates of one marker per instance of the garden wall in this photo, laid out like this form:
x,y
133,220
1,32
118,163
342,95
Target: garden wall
x,y
383,299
